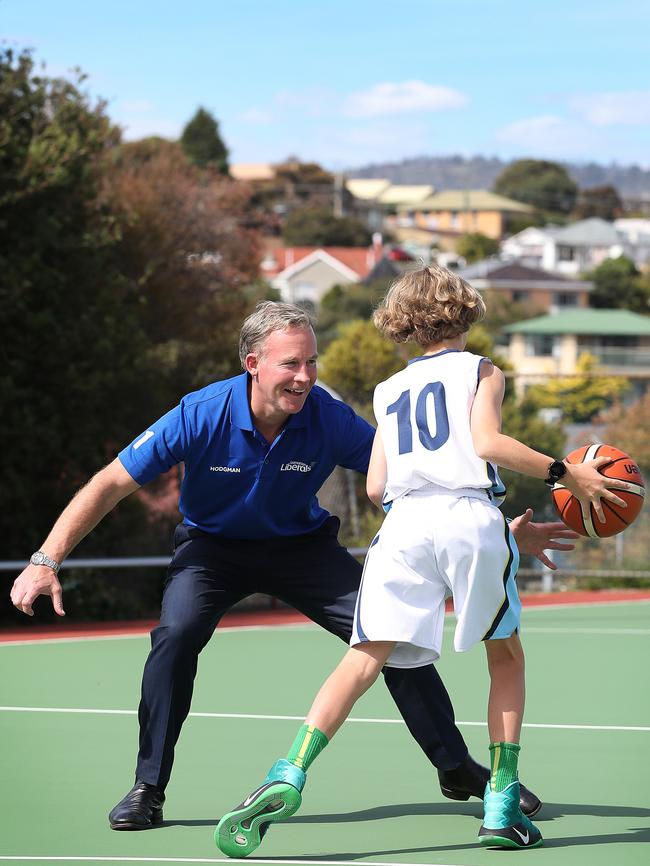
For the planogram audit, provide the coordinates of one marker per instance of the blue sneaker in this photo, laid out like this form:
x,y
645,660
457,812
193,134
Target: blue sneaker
x,y
241,831
504,824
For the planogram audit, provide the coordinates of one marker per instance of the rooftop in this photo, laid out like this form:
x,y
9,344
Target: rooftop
x,y
614,323
472,199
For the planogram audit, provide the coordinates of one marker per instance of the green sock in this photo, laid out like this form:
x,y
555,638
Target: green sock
x,y
503,763
309,743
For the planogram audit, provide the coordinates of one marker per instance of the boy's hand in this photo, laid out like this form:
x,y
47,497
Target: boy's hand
x,y
586,482
535,538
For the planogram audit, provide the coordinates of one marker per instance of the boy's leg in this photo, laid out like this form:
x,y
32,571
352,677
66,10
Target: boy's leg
x,y
504,824
241,831
321,579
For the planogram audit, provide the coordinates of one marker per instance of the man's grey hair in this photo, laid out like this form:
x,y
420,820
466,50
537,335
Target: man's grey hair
x,y
269,316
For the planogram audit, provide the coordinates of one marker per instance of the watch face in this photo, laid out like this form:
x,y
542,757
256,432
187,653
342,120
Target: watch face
x,y
37,558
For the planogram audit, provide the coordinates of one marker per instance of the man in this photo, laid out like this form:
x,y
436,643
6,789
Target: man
x,y
256,449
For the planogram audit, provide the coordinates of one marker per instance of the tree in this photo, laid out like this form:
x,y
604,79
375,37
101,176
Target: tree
x,y
598,201
521,420
580,397
618,284
186,247
202,142
319,227
72,347
627,429
356,360
475,246
544,185
344,303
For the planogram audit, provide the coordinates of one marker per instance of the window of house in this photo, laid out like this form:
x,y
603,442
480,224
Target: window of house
x,y
539,345
566,254
520,296
454,220
566,299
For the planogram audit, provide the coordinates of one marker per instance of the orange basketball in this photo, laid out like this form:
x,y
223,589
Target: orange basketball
x,y
617,519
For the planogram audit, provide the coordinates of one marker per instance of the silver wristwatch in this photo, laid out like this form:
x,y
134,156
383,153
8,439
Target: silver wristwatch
x,y
40,558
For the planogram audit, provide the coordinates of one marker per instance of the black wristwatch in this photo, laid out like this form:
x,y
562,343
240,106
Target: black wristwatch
x,y
556,471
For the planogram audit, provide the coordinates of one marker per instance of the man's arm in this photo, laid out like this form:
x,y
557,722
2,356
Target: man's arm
x,y
536,538
80,516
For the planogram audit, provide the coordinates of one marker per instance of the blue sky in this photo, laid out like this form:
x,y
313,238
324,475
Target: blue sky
x,y
349,83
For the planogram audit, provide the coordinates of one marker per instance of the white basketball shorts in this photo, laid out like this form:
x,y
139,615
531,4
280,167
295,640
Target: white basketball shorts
x,y
431,546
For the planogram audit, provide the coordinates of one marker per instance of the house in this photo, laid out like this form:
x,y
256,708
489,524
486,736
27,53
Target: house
x,y
580,246
455,212
372,199
305,274
520,283
551,345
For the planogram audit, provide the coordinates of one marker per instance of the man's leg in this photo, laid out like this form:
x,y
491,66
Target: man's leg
x,y
196,596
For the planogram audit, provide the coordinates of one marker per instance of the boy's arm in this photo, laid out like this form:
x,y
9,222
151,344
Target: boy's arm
x,y
582,479
377,473
80,516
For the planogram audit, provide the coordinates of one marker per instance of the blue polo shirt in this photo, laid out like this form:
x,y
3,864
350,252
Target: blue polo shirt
x,y
238,485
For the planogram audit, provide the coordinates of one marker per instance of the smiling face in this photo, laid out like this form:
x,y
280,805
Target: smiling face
x,y
282,375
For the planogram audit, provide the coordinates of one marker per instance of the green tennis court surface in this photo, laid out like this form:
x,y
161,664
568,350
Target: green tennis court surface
x,y
69,735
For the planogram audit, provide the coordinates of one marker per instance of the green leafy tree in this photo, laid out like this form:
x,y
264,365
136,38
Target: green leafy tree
x,y
475,246
545,185
344,303
583,396
618,284
356,361
521,419
72,348
319,227
598,201
202,142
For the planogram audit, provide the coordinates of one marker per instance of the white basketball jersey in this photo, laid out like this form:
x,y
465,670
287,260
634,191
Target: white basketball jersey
x,y
423,414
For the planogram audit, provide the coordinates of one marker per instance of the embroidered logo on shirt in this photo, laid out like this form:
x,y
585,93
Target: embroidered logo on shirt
x,y
225,469
297,466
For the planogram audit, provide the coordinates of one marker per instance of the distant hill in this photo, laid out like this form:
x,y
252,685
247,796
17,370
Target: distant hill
x,y
478,172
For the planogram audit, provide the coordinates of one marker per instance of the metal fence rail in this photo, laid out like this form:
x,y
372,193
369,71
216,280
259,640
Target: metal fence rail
x,y
17,565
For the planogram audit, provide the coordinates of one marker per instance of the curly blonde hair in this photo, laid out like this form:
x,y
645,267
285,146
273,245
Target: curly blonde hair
x,y
427,306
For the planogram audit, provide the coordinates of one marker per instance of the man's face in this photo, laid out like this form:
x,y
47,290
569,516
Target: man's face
x,y
283,373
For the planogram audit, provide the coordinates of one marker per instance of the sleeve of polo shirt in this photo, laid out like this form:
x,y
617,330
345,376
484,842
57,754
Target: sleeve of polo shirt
x,y
355,442
157,449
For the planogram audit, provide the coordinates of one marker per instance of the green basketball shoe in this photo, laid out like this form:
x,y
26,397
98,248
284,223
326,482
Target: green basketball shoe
x,y
241,831
504,824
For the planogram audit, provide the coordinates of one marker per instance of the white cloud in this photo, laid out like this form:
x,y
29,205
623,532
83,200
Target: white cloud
x,y
402,98
630,108
256,116
526,131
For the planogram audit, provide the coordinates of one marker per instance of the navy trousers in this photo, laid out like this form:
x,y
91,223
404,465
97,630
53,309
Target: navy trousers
x,y
314,574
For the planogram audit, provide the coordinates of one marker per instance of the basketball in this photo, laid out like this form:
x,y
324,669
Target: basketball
x,y
621,466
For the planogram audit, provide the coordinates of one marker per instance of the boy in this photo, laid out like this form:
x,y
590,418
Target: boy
x,y
434,460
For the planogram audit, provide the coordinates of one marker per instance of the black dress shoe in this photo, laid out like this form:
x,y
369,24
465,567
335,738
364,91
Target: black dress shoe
x,y
140,809
469,780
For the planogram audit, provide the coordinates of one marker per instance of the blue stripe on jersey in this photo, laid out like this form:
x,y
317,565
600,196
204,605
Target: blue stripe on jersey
x,y
497,492
429,357
506,622
357,625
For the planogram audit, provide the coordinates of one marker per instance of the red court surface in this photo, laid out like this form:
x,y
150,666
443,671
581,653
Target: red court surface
x,y
283,615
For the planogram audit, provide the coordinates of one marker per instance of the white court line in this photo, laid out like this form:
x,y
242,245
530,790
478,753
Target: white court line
x,y
275,718
449,626
274,861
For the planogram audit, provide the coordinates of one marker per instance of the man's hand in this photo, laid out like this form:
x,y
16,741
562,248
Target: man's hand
x,y
36,580
535,538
